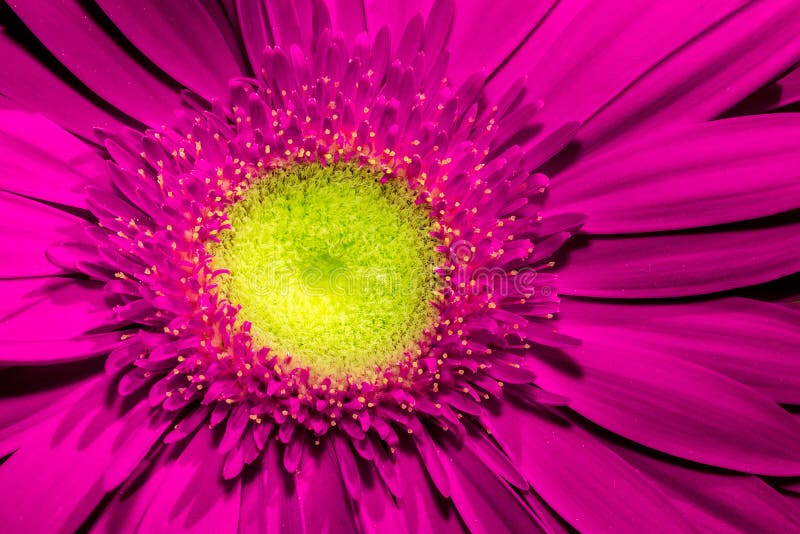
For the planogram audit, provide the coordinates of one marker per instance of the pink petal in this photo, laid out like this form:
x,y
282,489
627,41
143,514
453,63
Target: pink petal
x,y
752,342
28,228
699,175
97,60
34,86
671,405
39,159
181,38
575,473
680,265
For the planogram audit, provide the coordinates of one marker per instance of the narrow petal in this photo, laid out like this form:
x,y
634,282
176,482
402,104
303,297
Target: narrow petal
x,y
671,405
753,342
324,501
484,501
255,30
504,23
681,265
28,228
424,508
718,502
39,159
36,87
181,38
61,471
52,308
49,352
193,494
394,15
692,62
699,175
84,48
574,471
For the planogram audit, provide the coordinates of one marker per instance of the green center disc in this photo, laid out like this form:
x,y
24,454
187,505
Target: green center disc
x,y
331,267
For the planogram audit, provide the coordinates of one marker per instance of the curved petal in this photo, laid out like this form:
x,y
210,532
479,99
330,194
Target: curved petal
x,y
504,23
39,159
61,467
394,15
72,35
671,405
753,342
678,265
36,87
181,38
693,61
700,175
324,501
578,476
192,492
483,500
28,228
255,30
718,502
425,510
52,308
53,351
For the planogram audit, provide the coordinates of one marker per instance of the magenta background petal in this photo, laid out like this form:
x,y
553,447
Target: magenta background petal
x,y
28,228
693,61
255,29
503,23
681,264
36,88
423,506
179,37
672,405
39,159
183,501
753,342
718,502
700,175
52,308
394,15
52,351
62,469
571,469
98,61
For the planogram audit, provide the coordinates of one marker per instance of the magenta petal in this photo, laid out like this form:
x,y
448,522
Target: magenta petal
x,y
28,228
700,175
61,471
692,62
34,86
52,308
39,159
255,29
193,495
324,501
98,61
718,502
681,265
483,500
424,508
394,15
573,469
181,38
505,24
752,342
673,405
49,352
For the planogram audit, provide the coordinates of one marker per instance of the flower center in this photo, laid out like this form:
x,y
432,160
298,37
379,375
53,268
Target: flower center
x,y
332,267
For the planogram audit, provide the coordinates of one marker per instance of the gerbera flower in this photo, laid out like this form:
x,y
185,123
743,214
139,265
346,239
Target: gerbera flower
x,y
349,266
